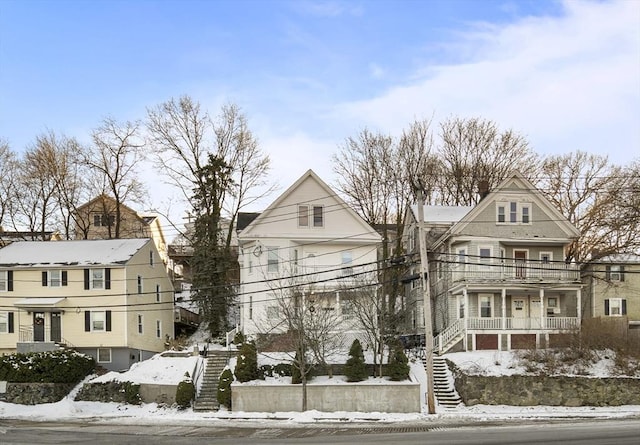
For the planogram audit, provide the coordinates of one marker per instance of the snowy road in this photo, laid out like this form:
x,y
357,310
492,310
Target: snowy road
x,y
600,432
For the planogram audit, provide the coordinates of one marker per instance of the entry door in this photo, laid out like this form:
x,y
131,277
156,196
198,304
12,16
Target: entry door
x,y
520,259
534,313
56,327
519,309
38,326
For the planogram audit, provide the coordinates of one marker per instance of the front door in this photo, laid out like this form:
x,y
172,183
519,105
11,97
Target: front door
x,y
520,259
534,311
519,308
38,326
56,327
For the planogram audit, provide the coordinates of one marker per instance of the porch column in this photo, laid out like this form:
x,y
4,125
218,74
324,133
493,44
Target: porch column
x,y
579,308
465,295
504,308
543,320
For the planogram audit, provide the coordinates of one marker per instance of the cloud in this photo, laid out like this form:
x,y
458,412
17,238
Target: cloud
x,y
566,82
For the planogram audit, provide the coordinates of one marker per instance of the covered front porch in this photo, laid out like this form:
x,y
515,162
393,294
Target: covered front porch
x,y
510,318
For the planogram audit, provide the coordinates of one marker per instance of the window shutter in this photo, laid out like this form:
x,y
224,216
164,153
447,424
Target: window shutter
x,y
10,280
108,320
608,273
107,278
86,279
64,278
10,316
624,306
606,307
44,278
621,273
87,321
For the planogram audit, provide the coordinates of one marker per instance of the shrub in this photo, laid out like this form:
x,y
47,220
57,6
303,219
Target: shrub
x,y
131,393
224,388
355,369
398,368
61,366
185,393
238,339
283,369
247,365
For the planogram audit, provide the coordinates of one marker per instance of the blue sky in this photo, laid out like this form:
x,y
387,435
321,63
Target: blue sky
x,y
310,73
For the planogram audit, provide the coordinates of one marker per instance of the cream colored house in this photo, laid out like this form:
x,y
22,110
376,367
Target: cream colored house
x,y
497,271
612,286
308,243
111,299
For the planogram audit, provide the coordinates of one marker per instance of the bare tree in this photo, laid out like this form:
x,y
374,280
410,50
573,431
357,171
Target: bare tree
x,y
184,135
116,151
599,198
475,150
8,173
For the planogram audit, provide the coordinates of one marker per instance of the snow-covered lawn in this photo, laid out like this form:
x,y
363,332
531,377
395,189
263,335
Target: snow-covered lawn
x,y
170,370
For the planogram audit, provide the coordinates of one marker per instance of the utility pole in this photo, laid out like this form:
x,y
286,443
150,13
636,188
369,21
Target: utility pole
x,y
424,279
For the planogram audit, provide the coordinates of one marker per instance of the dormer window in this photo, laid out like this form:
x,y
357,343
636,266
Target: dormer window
x,y
513,212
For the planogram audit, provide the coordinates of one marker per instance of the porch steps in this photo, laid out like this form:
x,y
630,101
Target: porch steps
x,y
207,398
452,342
443,386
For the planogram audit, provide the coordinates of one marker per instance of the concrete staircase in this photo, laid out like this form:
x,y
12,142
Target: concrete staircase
x,y
443,386
207,398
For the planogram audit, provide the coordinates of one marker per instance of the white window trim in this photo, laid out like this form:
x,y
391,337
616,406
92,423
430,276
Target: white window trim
x,y
617,274
92,279
550,254
140,324
271,250
4,279
301,214
140,285
50,280
158,294
491,298
104,321
5,315
619,306
158,329
489,258
98,355
518,212
313,216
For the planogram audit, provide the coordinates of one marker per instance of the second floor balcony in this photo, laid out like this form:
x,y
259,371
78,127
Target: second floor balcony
x,y
514,270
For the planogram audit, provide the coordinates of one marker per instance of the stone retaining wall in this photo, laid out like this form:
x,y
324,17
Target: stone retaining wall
x,y
520,390
36,393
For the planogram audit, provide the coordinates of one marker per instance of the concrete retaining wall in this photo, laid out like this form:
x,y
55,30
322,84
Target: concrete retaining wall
x,y
161,394
360,397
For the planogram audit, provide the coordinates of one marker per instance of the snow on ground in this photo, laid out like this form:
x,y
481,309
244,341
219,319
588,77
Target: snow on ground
x,y
170,370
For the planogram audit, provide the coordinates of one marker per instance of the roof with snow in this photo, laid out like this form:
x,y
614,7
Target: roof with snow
x,y
441,214
621,258
65,253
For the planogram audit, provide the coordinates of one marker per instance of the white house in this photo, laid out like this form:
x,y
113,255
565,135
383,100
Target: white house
x,y
310,240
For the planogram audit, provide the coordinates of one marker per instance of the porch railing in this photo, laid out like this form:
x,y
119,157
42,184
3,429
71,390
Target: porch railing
x,y
26,335
513,271
551,323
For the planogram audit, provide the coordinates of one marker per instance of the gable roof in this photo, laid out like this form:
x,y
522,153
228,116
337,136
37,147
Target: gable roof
x,y
570,230
106,198
71,253
368,232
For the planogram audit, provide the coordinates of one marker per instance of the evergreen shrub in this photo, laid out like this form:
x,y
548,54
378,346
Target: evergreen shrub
x,y
247,364
398,368
355,369
224,388
61,366
185,393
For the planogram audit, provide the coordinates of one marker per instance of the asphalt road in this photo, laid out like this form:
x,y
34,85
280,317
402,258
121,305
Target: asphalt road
x,y
592,432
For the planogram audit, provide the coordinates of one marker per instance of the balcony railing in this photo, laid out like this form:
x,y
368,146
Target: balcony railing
x,y
514,271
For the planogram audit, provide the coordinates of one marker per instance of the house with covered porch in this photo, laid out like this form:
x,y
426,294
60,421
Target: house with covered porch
x,y
497,271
